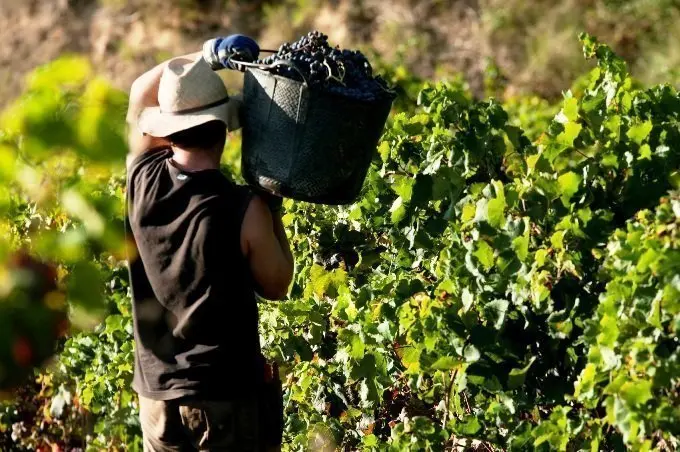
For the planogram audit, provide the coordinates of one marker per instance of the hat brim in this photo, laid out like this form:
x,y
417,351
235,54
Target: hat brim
x,y
154,122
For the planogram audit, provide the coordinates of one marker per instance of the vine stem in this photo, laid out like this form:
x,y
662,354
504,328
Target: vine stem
x,y
486,446
584,156
467,404
447,398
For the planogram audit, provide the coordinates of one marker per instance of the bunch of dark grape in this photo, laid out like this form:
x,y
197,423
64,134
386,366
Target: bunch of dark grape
x,y
343,72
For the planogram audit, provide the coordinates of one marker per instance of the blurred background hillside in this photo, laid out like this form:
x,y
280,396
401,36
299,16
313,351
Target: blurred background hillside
x,y
522,46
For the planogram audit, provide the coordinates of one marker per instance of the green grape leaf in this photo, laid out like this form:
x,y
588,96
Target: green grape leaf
x,y
636,393
86,286
568,184
570,108
639,132
470,426
571,131
495,312
471,353
446,363
485,254
516,376
398,210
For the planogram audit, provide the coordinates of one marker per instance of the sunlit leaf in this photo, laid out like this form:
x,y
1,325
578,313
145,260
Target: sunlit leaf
x,y
569,185
639,132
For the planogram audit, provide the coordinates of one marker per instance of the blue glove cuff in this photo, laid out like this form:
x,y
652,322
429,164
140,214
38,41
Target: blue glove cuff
x,y
219,52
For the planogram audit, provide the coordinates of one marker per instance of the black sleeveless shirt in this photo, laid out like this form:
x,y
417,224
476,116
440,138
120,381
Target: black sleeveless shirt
x,y
194,307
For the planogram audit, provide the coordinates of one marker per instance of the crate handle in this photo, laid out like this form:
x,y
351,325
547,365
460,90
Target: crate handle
x,y
290,64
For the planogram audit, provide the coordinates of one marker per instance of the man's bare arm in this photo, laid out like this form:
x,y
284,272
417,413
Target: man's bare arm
x,y
265,245
143,94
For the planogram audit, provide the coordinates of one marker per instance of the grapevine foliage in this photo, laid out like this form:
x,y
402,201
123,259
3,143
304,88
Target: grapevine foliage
x,y
633,354
507,281
480,270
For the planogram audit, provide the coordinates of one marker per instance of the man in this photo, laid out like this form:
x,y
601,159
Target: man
x,y
204,248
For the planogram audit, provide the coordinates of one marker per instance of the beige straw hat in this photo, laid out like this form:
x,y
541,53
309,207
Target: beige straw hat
x,y
189,94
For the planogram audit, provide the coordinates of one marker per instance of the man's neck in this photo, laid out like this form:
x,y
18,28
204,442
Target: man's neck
x,y
195,160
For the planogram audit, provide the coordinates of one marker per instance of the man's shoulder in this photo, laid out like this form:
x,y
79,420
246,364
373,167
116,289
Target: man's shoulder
x,y
148,157
238,199
244,191
241,195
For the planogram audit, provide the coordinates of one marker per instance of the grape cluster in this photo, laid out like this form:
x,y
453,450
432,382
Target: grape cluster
x,y
343,72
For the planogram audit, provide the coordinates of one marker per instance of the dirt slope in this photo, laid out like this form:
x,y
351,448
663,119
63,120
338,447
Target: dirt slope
x,y
533,43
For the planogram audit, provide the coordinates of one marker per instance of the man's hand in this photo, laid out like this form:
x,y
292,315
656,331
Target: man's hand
x,y
225,52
